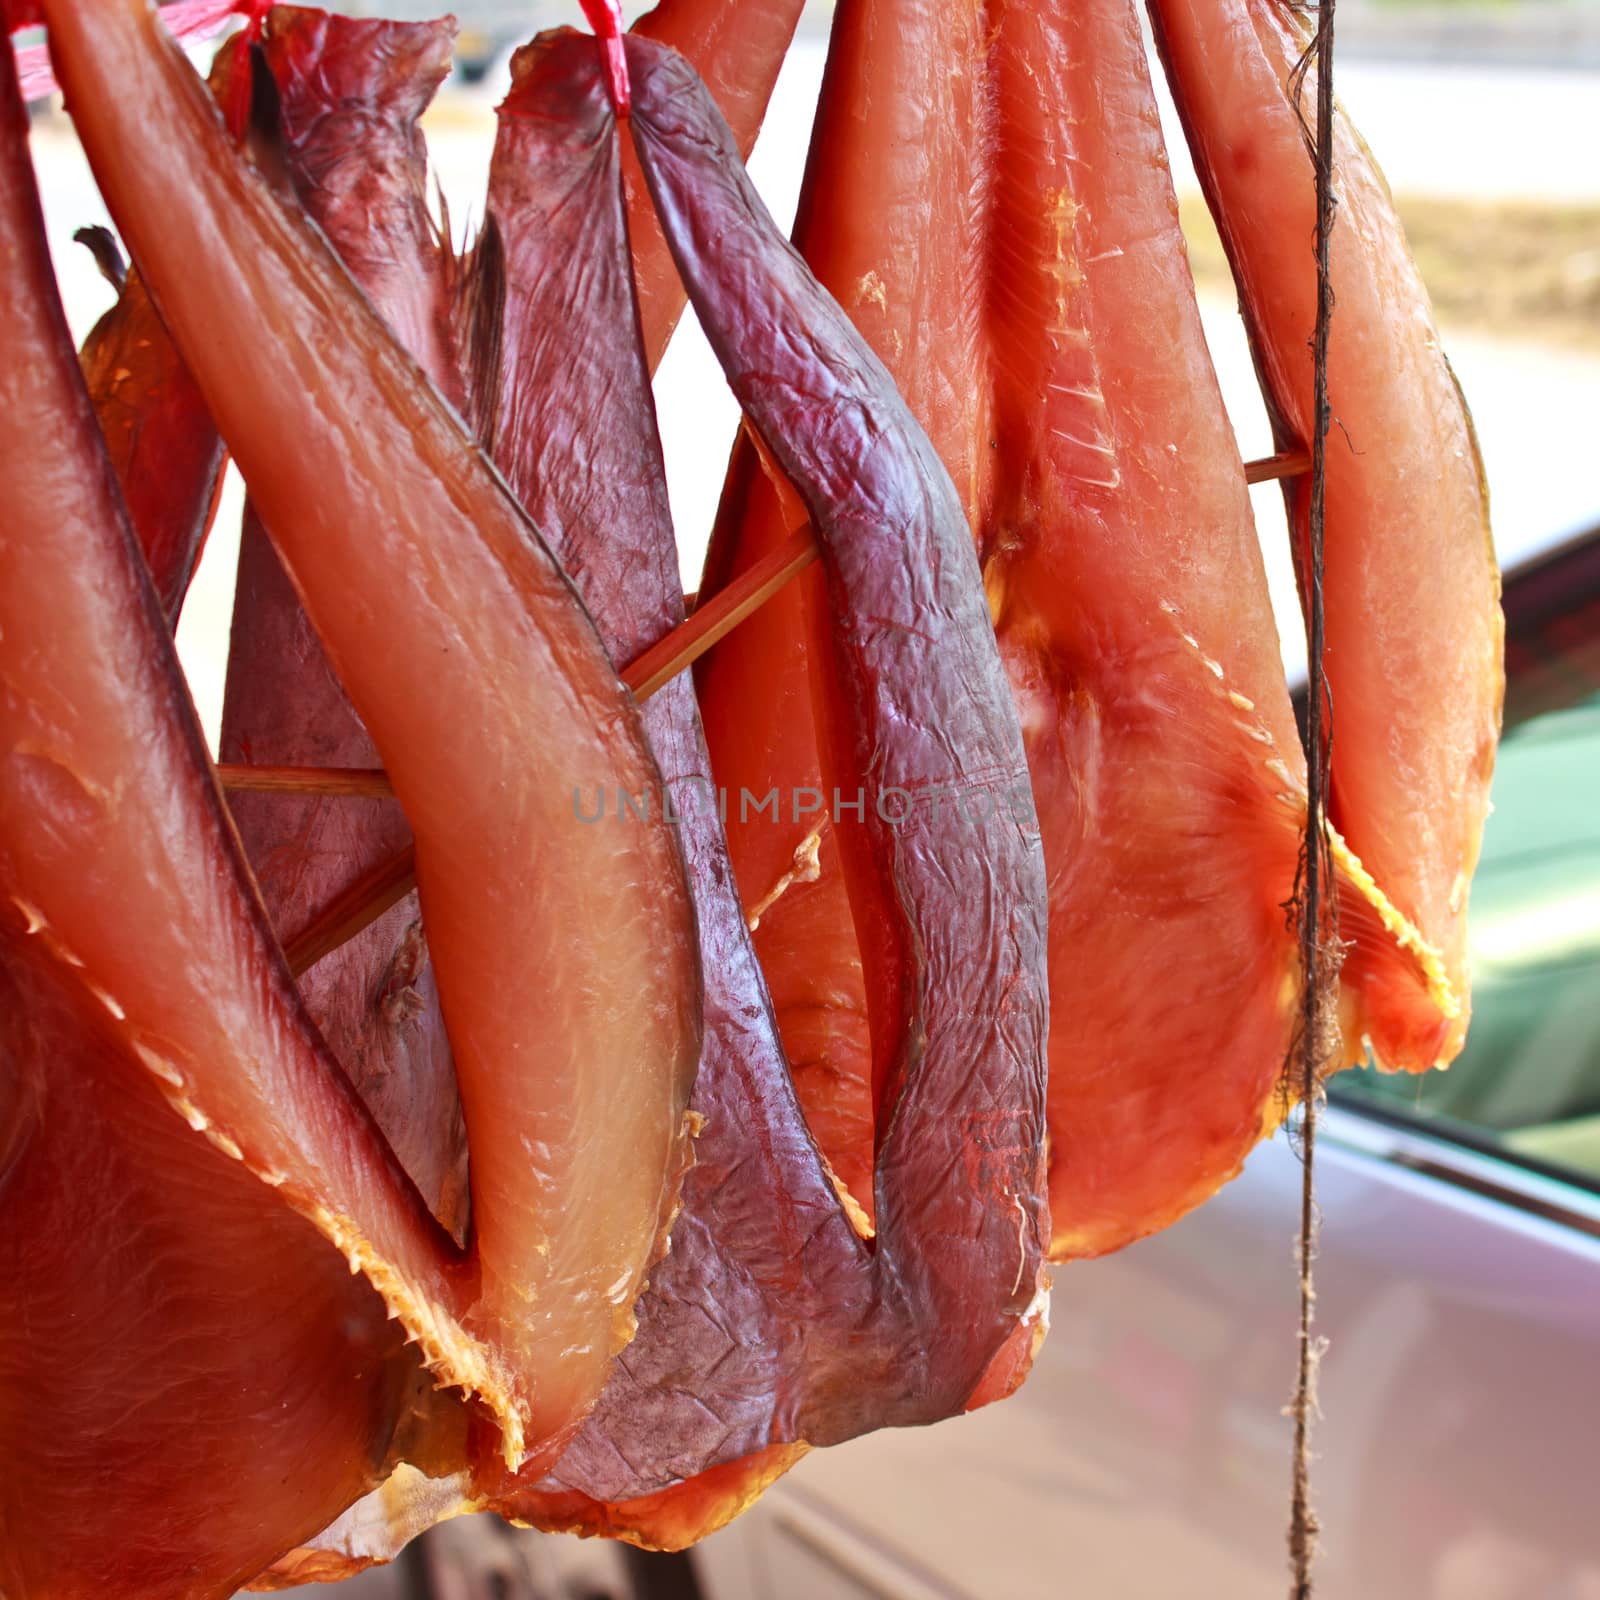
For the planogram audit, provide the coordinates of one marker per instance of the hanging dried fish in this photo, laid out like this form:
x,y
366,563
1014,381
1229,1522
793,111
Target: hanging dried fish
x,y
772,1324
1041,321
197,1002
643,1102
1415,659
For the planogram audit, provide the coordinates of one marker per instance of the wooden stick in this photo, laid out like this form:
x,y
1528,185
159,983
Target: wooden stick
x,y
361,782
706,625
354,910
662,662
720,615
1286,464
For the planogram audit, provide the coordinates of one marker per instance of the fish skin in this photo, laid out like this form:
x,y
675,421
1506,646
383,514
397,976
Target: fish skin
x,y
526,1322
915,700
576,436
350,93
738,48
190,1376
159,436
1411,585
933,54
770,1327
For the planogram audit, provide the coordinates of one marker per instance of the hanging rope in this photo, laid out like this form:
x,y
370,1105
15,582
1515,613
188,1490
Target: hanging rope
x,y
1319,948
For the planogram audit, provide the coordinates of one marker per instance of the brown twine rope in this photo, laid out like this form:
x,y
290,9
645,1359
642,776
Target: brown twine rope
x,y
1319,944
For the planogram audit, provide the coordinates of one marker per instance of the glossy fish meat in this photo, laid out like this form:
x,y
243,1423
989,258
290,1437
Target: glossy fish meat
x,y
350,92
167,1323
1415,638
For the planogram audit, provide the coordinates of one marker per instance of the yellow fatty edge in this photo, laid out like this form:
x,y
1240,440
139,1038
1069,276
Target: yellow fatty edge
x,y
1404,932
457,1359
374,1530
448,1351
1430,960
855,1212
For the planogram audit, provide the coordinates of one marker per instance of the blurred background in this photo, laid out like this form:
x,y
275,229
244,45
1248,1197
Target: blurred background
x,y
1461,1250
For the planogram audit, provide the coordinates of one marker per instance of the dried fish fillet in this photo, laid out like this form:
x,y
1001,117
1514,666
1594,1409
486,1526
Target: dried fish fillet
x,y
1415,638
380,497
168,1325
743,1350
349,95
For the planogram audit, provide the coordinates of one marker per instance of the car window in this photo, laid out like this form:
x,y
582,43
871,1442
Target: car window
x,y
1528,1080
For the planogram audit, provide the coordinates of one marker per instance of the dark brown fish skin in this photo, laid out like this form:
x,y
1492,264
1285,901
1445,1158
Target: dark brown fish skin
x,y
576,437
926,152
771,1323
159,436
737,47
350,93
912,692
190,1377
914,697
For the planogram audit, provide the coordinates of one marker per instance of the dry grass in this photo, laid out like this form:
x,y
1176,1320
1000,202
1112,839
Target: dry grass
x,y
1514,269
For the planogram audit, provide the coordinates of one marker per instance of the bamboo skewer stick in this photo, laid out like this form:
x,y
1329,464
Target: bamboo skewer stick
x,y
705,626
367,783
1286,464
720,615
353,910
371,895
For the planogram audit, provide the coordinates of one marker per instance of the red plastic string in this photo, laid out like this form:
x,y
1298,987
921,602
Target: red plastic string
x,y
186,19
605,17
238,112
